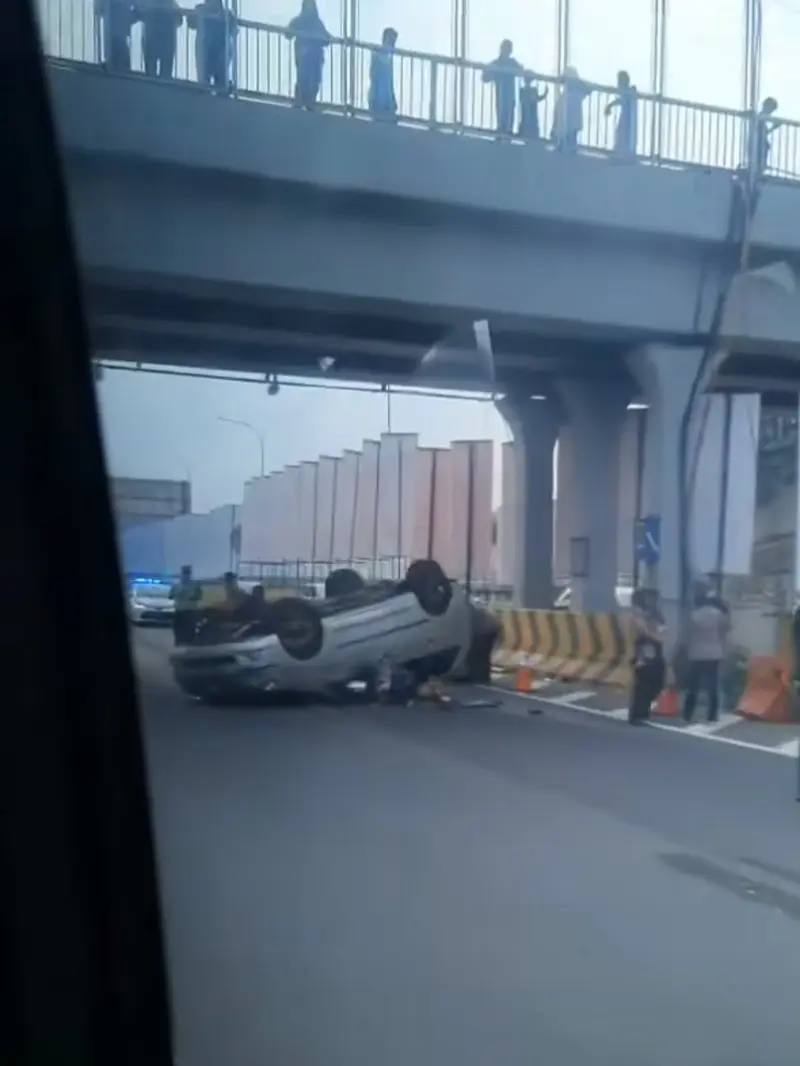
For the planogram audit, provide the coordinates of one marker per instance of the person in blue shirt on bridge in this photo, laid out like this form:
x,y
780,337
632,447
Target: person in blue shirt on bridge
x,y
626,102
214,28
311,38
382,100
503,72
116,17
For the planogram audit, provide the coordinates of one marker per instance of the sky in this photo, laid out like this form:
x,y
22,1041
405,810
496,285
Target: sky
x,y
158,426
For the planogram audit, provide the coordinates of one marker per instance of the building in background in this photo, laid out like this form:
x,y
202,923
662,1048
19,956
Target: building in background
x,y
136,500
209,543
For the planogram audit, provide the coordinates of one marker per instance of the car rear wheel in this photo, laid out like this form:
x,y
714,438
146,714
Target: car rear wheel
x,y
342,582
298,627
429,583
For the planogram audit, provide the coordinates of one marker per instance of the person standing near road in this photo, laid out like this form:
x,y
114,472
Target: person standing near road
x,y
235,595
186,596
649,667
709,626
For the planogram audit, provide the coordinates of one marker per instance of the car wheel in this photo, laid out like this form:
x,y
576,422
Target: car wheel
x,y
429,583
342,582
298,627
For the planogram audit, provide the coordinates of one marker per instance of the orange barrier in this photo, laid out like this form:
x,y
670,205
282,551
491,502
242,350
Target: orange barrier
x,y
766,694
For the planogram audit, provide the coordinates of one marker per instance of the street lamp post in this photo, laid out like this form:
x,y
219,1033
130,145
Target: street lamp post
x,y
247,425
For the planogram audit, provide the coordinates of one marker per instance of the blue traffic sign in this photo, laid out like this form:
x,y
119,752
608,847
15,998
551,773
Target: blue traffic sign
x,y
648,539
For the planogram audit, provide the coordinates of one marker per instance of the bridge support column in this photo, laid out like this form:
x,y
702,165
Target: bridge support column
x,y
534,425
596,414
667,376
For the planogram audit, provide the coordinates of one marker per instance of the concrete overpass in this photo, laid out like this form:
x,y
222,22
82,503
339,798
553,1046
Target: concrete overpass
x,y
257,208
267,236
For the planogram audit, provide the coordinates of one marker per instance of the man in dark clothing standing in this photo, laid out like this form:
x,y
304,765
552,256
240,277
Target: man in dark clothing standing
x,y
186,596
160,22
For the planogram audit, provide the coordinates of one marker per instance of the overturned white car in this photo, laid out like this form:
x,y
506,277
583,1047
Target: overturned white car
x,y
424,623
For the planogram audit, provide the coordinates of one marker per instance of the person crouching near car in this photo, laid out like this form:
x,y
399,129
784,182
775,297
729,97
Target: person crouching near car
x,y
186,596
649,667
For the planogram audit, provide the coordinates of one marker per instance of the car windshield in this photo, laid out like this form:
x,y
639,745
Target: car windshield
x,y
146,590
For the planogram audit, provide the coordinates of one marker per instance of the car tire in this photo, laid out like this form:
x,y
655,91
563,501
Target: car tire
x,y
298,627
429,583
343,582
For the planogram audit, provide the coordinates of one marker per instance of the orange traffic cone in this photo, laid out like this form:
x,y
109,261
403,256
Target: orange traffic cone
x,y
524,678
668,704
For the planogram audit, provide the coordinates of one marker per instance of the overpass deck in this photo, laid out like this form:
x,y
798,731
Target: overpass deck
x,y
438,92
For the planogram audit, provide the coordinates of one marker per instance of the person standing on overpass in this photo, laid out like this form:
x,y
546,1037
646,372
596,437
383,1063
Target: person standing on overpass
x,y
160,22
503,72
382,99
627,132
186,596
311,38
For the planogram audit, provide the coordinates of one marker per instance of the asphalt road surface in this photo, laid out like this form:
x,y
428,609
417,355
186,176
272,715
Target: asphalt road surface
x,y
361,887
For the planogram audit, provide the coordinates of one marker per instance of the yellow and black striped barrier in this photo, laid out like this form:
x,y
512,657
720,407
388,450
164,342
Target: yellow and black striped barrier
x,y
565,644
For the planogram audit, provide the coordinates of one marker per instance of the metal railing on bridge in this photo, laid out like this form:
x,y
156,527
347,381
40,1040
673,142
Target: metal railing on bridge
x,y
433,91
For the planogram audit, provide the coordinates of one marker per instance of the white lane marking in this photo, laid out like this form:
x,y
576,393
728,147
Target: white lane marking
x,y
571,697
780,749
620,715
708,729
560,701
790,749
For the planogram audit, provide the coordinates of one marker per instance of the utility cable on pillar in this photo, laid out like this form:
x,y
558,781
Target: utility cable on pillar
x,y
745,190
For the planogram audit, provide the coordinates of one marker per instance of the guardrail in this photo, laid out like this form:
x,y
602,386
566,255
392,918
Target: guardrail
x,y
434,91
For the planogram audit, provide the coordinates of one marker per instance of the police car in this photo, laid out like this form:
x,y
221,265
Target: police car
x,y
149,602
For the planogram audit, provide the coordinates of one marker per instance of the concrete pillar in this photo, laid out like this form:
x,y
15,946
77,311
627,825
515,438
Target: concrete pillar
x,y
534,425
596,413
668,376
